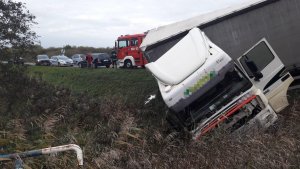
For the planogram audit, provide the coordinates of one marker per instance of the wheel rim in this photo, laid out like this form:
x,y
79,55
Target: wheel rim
x,y
128,64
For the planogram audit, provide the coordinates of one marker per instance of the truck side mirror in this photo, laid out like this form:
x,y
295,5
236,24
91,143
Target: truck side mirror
x,y
254,70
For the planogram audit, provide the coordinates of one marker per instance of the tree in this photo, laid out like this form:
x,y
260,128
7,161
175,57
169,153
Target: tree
x,y
15,27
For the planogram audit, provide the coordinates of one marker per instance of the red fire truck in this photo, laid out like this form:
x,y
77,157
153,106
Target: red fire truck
x,y
128,51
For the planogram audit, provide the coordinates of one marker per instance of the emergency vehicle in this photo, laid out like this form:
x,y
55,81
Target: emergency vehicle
x,y
128,52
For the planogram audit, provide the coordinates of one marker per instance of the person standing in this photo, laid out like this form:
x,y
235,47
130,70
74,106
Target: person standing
x,y
96,61
114,59
89,60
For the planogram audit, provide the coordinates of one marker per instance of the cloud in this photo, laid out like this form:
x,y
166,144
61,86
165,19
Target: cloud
x,y
98,23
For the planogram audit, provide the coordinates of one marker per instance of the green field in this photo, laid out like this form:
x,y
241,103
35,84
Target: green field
x,y
132,85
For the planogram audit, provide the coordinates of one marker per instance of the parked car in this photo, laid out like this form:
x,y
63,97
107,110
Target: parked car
x,y
61,60
99,59
77,58
43,60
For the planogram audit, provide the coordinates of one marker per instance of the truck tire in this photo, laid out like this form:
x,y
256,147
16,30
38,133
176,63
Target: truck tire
x,y
173,120
128,64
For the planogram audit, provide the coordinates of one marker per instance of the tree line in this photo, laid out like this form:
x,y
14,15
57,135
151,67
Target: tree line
x,y
18,40
16,35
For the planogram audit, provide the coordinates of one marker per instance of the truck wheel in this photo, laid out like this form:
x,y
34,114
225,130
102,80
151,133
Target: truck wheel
x,y
128,64
174,121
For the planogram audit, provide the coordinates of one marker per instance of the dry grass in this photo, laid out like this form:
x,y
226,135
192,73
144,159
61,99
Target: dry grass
x,y
114,135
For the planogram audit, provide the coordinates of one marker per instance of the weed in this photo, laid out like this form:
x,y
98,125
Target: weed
x,y
103,111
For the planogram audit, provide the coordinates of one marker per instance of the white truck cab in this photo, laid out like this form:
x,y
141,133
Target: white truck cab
x,y
204,88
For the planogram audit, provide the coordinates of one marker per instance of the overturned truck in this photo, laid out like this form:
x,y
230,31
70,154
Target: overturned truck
x,y
204,87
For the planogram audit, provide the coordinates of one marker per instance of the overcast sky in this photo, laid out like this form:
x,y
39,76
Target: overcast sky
x,y
98,23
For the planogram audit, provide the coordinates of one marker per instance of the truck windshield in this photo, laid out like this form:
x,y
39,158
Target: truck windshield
x,y
233,85
122,43
153,53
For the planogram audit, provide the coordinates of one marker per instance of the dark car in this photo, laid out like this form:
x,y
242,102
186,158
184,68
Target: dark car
x,y
43,60
99,59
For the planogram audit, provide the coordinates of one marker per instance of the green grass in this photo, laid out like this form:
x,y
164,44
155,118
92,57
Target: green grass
x,y
133,85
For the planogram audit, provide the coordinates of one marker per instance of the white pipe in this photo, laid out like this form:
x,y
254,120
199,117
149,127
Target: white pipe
x,y
62,148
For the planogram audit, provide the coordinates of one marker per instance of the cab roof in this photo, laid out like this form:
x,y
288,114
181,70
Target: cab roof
x,y
131,36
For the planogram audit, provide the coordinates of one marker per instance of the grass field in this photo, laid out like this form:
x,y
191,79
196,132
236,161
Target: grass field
x,y
101,81
103,112
134,85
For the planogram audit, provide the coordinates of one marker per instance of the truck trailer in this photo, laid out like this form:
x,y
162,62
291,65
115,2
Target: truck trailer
x,y
207,84
236,28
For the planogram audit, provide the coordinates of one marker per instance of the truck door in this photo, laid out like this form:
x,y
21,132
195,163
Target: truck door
x,y
122,48
267,72
133,49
